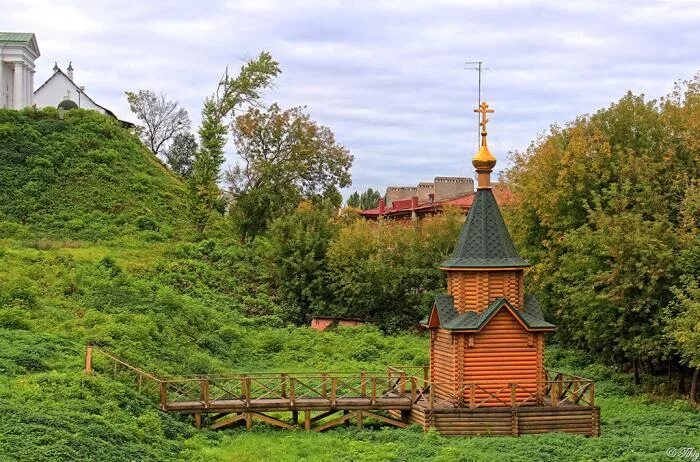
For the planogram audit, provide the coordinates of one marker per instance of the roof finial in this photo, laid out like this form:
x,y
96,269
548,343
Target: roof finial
x,y
484,161
55,67
70,70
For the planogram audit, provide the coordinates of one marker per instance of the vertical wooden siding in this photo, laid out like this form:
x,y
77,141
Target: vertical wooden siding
x,y
475,290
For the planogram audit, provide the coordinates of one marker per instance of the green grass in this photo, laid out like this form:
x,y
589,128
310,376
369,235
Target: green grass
x,y
177,310
84,262
84,178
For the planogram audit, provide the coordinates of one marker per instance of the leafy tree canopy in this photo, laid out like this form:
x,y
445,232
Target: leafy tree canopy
x,y
232,93
181,153
285,157
603,214
366,200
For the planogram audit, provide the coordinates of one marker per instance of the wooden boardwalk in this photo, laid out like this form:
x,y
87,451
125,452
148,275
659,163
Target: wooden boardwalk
x,y
400,396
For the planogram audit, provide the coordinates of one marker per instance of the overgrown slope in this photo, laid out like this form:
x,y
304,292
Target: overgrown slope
x,y
84,177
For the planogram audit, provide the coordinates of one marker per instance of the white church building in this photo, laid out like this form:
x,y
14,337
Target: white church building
x,y
60,88
18,51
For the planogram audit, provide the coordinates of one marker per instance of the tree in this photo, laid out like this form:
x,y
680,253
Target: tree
x,y
298,245
386,273
181,153
600,214
365,200
231,93
684,327
162,119
285,157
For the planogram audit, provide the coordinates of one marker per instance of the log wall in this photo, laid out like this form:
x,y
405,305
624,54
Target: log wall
x,y
582,420
444,364
475,290
503,353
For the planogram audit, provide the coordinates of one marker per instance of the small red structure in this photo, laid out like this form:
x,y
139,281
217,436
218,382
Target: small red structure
x,y
324,322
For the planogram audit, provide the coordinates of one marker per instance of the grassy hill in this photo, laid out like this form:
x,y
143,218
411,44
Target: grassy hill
x,y
83,177
91,250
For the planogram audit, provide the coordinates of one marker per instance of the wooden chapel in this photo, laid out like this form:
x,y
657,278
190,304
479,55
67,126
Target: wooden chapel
x,y
486,333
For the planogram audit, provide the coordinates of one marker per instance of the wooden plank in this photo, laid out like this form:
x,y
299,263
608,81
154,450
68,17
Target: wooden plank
x,y
324,415
394,422
271,420
335,422
88,359
227,421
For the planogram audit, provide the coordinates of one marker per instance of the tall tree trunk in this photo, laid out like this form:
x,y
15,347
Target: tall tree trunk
x,y
694,386
681,381
635,365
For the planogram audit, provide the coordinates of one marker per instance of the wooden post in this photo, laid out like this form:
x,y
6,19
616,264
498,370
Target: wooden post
x,y
359,419
431,398
307,420
402,385
513,397
595,424
554,394
88,359
248,420
247,386
374,389
198,420
333,390
292,393
283,386
295,417
414,385
204,392
363,384
591,394
324,385
514,422
472,395
163,394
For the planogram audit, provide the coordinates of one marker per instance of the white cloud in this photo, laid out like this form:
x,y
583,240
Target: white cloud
x,y
387,76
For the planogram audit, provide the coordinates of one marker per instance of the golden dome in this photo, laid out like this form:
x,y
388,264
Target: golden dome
x,y
484,160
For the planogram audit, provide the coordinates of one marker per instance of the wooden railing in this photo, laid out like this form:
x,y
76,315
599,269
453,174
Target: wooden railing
x,y
559,389
146,383
289,389
330,388
326,388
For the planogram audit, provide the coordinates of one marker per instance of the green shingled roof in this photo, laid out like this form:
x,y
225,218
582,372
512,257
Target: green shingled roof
x,y
20,37
451,319
484,241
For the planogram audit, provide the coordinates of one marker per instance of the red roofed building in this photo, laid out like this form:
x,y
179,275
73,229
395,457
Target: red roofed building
x,y
421,203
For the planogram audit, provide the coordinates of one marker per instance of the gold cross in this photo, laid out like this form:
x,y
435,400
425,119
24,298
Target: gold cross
x,y
484,109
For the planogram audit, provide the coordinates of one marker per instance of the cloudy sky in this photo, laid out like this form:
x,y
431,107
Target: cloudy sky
x,y
388,77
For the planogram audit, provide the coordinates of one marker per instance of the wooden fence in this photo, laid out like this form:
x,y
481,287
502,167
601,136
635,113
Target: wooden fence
x,y
401,390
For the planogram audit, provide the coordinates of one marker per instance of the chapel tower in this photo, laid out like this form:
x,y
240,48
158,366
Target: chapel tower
x,y
486,333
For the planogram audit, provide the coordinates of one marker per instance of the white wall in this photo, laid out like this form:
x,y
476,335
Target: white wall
x,y
9,55
54,91
5,86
